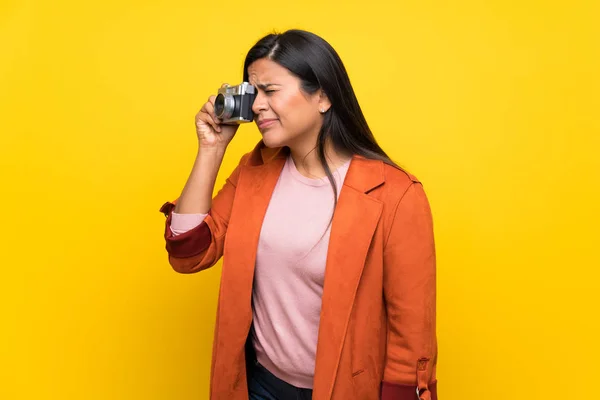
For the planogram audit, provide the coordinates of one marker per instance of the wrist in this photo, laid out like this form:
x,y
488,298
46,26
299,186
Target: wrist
x,y
212,151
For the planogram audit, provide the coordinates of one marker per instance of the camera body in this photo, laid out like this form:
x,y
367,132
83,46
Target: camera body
x,y
233,104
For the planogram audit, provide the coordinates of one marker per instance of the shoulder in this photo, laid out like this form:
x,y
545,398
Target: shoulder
x,y
262,154
396,181
398,176
384,182
401,189
407,201
401,186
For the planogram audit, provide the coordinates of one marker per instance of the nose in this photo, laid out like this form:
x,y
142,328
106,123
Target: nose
x,y
260,103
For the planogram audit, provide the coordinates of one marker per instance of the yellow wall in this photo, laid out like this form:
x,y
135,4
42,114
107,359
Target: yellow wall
x,y
493,104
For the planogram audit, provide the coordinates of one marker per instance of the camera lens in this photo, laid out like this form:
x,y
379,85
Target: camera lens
x,y
224,106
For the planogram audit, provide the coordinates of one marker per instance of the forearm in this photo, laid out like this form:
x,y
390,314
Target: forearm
x,y
196,197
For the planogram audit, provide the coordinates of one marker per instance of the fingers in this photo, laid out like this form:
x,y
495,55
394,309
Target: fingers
x,y
207,114
205,117
210,108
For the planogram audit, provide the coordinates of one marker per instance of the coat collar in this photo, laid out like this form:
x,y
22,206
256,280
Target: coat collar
x,y
363,175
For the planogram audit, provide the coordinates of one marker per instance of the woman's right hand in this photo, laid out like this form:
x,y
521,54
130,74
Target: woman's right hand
x,y
211,132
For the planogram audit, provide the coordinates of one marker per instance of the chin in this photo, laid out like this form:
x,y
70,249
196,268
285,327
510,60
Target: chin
x,y
273,140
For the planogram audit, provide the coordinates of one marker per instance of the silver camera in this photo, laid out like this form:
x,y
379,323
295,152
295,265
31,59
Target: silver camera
x,y
233,104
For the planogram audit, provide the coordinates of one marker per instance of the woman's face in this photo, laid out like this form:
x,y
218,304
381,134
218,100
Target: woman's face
x,y
285,115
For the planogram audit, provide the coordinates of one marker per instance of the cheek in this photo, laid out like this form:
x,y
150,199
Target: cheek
x,y
293,110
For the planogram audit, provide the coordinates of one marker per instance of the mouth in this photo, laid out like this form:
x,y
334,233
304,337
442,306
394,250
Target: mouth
x,y
265,123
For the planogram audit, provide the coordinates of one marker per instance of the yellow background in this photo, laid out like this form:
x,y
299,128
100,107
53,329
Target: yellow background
x,y
492,104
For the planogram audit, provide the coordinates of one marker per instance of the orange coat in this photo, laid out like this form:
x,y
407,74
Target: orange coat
x,y
377,335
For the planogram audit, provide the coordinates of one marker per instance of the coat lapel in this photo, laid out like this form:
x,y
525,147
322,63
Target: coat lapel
x,y
255,188
355,220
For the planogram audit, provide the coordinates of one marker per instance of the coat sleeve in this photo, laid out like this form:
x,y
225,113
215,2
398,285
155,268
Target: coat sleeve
x,y
201,247
410,297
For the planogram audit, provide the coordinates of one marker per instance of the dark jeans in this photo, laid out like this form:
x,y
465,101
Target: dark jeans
x,y
263,385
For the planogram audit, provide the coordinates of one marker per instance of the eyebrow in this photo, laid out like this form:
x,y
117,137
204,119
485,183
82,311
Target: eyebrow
x,y
264,86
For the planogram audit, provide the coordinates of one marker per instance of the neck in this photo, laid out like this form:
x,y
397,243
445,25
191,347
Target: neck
x,y
306,159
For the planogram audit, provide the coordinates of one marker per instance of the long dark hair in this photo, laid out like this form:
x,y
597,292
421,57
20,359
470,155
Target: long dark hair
x,y
318,66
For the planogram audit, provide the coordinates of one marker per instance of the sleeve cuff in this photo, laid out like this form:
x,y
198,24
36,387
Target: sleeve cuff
x,y
188,244
392,391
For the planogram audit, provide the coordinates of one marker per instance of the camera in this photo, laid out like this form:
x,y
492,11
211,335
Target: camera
x,y
233,104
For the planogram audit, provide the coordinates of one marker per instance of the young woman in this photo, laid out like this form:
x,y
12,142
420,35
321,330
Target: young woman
x,y
328,282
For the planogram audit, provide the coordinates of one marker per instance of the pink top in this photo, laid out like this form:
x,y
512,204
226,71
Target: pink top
x,y
289,273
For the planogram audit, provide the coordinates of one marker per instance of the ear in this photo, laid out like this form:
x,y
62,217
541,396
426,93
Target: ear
x,y
324,103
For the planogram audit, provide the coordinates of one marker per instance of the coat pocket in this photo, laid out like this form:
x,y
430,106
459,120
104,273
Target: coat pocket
x,y
364,385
